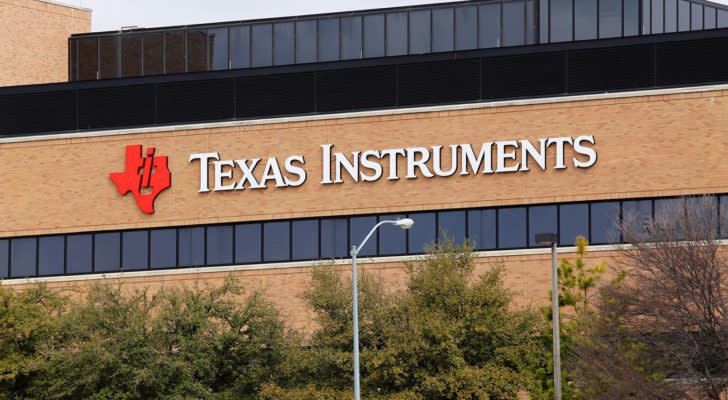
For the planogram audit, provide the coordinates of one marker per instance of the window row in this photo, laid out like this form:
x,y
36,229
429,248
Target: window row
x,y
666,16
319,239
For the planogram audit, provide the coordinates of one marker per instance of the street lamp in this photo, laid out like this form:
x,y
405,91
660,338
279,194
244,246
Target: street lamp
x,y
404,223
552,240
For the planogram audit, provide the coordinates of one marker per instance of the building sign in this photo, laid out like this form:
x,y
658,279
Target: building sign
x,y
145,177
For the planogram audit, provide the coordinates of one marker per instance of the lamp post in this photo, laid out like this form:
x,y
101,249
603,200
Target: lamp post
x,y
404,223
552,239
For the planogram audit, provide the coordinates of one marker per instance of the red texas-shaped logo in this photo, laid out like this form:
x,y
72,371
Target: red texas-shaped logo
x,y
145,177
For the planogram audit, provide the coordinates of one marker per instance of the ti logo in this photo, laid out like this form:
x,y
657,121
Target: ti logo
x,y
145,177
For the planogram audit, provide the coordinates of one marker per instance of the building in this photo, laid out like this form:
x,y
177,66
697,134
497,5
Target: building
x,y
264,148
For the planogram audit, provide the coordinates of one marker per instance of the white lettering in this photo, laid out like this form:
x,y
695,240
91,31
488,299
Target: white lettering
x,y
204,162
484,158
295,170
376,167
528,150
437,163
247,171
583,150
413,162
559,150
503,156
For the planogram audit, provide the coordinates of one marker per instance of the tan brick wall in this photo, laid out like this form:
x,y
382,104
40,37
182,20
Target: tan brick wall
x,y
34,40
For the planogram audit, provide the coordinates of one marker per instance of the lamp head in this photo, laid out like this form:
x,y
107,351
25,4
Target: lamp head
x,y
404,223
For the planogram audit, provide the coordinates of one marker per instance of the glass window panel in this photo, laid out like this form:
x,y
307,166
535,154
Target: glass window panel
x,y
79,250
709,18
396,34
666,209
610,18
174,52
722,19
646,20
276,241
670,15
392,240
359,227
631,17
573,221
512,227
531,27
490,15
196,50
135,250
723,204
543,15
4,258
513,23
284,45
699,206
374,36
585,22
451,223
305,239
88,59
191,247
73,56
334,238
153,62
636,215
658,15
240,47
481,229
683,15
305,42
466,28
22,257
217,40
351,38
107,252
422,234
561,20
605,222
50,255
219,245
443,29
328,39
696,17
131,55
164,248
109,53
420,33
248,243
541,219
262,45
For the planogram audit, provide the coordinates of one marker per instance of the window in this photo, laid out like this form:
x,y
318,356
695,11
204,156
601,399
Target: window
x,y
328,39
543,16
396,34
573,222
240,47
636,216
451,223
374,36
646,20
217,40
466,28
722,19
262,45
561,20
513,23
78,254
4,258
219,245
631,17
88,59
489,31
670,15
512,227
709,18
107,252
531,27
610,18
585,19
305,239
284,44
392,240
50,255
109,53
351,38
131,55
541,219
248,243
152,48
358,229
723,219
196,50
174,52
191,247
276,241
443,29
334,240
135,250
22,257
422,233
696,17
605,222
164,248
305,42
658,15
683,15
420,32
481,229
73,68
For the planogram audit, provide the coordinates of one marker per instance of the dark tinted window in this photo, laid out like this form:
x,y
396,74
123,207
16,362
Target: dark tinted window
x,y
218,45
531,26
262,45
658,15
573,222
481,229
392,240
683,15
543,17
443,29
135,250
466,28
422,233
131,55
284,44
585,19
631,17
334,241
374,36
248,245
513,23
276,241
610,18
351,38
561,20
512,227
670,15
240,47
88,59
305,41
107,252
196,50
50,255
219,245
305,239
164,248
605,222
419,32
174,52
723,219
396,34
451,223
23,257
153,62
709,18
328,40
359,228
4,258
489,31
636,215
109,56
646,20
696,17
78,253
191,247
541,219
